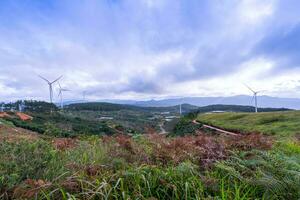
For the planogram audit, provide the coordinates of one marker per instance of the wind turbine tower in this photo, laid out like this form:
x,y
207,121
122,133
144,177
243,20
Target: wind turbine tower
x,y
180,110
21,106
50,86
255,93
60,94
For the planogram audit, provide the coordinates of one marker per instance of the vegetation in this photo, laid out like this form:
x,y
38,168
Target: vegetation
x,y
275,123
79,156
58,124
102,106
152,166
185,127
31,106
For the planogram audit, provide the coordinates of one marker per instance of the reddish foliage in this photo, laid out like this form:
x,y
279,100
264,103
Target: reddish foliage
x,y
30,189
64,143
71,185
251,141
297,136
201,149
125,142
150,130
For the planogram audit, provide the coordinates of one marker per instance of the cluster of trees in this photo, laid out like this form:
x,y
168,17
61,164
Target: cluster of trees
x,y
29,106
99,106
58,124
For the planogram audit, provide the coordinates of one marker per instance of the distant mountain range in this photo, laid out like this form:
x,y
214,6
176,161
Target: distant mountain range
x,y
186,108
263,101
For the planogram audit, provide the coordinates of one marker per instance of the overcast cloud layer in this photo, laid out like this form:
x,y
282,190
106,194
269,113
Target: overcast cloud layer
x,y
149,48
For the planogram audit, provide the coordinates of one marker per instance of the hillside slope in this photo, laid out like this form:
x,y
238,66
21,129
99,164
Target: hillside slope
x,y
272,123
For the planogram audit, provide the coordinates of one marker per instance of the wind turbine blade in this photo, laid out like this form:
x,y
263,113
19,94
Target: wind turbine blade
x,y
57,79
67,90
252,99
59,93
59,85
249,88
44,79
261,91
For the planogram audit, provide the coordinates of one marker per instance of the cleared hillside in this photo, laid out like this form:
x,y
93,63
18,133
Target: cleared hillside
x,y
272,123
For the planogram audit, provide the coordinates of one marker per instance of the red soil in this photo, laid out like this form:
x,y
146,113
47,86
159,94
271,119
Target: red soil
x,y
24,117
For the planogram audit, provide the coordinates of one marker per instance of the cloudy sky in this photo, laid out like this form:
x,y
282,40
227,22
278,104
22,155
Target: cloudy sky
x,y
142,49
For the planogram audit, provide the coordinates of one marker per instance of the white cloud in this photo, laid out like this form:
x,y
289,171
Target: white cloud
x,y
153,48
255,11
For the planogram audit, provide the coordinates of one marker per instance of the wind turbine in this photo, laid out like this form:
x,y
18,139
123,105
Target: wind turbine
x,y
50,86
60,94
254,96
180,107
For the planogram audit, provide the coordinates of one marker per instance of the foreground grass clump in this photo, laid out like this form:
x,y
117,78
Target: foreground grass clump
x,y
271,123
275,174
150,167
24,159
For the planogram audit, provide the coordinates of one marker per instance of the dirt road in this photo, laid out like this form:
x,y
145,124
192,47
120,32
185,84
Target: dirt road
x,y
162,130
217,129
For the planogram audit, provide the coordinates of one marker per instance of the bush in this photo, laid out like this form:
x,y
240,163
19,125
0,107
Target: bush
x,y
185,127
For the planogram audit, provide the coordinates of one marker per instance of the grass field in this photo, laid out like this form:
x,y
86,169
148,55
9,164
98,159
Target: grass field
x,y
285,123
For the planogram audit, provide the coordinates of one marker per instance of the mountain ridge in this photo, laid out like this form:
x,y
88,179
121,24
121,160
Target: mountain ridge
x,y
244,100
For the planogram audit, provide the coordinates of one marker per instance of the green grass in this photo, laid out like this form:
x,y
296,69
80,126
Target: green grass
x,y
5,122
275,173
117,168
271,123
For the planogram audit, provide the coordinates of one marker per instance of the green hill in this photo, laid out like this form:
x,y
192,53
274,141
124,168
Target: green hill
x,y
271,123
236,108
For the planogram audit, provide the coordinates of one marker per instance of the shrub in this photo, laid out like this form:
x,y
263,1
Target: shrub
x,y
185,127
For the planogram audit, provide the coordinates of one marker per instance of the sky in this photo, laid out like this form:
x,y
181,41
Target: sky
x,y
149,49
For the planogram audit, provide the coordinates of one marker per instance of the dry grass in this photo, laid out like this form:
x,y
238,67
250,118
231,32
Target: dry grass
x,y
64,143
203,150
13,134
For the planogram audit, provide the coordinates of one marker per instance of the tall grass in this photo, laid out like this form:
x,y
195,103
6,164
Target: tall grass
x,y
151,167
275,174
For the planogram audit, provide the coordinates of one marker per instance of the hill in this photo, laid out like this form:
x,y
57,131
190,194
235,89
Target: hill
x,y
272,123
236,108
104,106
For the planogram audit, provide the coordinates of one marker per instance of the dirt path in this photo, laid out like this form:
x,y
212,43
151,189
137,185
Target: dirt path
x,y
162,130
217,129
